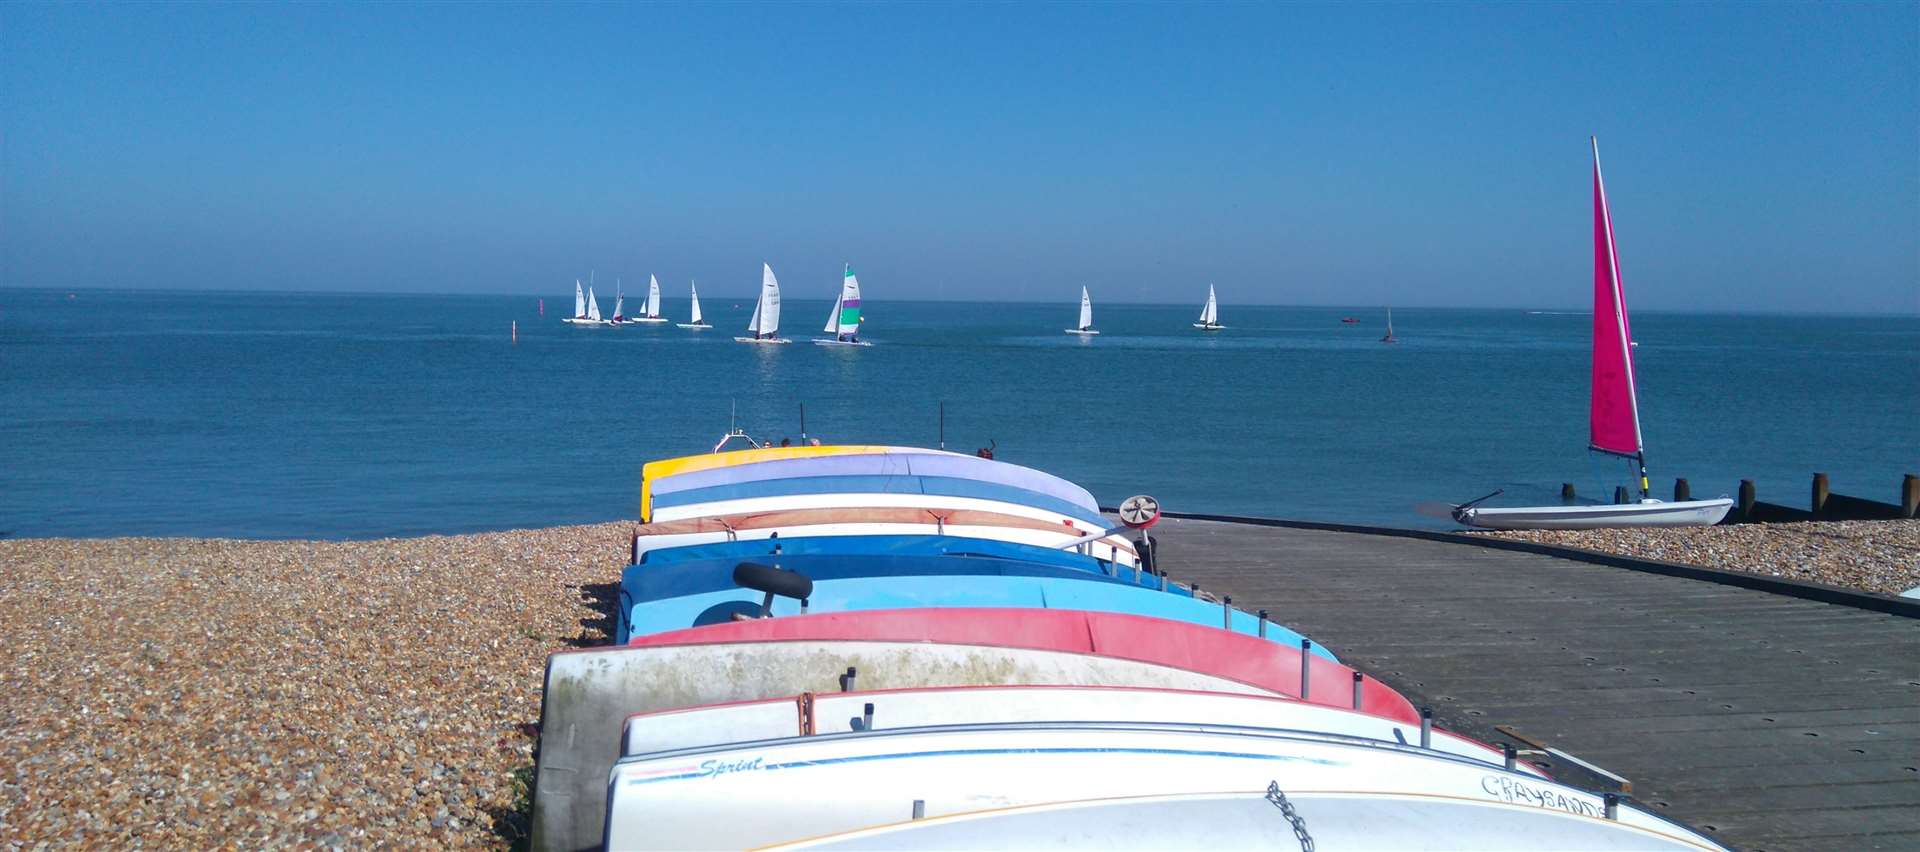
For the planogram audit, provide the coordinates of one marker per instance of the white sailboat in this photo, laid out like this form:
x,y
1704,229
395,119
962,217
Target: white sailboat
x,y
580,313
651,312
1086,315
1210,313
697,322
765,325
1388,337
844,322
619,305
1613,412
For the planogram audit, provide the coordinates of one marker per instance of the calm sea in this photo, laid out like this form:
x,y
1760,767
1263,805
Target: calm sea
x,y
353,416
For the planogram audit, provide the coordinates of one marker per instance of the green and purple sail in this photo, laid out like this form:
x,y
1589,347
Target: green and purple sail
x,y
844,322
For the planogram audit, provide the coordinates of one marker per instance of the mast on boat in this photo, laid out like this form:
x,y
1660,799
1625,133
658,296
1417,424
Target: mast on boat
x,y
1613,412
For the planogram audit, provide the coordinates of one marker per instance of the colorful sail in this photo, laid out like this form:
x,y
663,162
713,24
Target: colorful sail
x,y
847,312
1614,412
653,298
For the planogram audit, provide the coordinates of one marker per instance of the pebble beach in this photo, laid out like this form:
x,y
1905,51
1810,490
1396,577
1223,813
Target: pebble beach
x,y
1868,556
208,693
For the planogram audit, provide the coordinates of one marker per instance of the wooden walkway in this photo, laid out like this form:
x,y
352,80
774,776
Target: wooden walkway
x,y
1769,722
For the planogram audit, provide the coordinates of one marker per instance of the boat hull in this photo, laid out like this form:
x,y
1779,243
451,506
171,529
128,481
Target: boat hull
x,y
901,464
762,340
1204,327
1688,513
697,326
1013,525
589,694
821,341
584,321
1084,332
645,320
1397,796
846,712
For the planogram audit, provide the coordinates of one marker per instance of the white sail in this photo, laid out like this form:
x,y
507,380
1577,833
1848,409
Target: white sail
x,y
766,313
593,307
833,319
653,298
1210,315
579,300
619,303
696,303
1086,310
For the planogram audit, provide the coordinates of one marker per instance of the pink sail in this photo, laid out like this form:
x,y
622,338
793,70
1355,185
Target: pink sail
x,y
1614,413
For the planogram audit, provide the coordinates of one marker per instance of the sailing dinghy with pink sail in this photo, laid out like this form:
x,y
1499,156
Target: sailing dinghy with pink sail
x,y
1613,412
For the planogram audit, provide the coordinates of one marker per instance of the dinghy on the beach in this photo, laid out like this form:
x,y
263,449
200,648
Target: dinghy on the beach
x,y
844,322
1086,316
1210,313
812,713
1083,591
695,321
829,491
1388,793
1613,412
1009,523
902,463
588,694
765,325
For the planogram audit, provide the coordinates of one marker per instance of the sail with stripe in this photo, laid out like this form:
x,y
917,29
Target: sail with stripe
x,y
844,322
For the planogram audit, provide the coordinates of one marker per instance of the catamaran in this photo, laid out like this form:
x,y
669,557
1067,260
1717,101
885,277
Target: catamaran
x,y
765,325
844,322
1613,412
1210,313
1388,337
650,313
696,322
1086,315
586,311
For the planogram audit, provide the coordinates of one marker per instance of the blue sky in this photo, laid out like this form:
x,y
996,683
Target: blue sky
x,y
1759,157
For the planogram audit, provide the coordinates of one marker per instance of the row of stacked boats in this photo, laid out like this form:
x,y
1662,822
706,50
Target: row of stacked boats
x,y
859,647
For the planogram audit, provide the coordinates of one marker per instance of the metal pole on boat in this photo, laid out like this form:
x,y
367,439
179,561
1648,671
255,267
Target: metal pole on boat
x,y
803,606
1613,804
1426,727
1263,624
1306,667
866,719
919,808
1512,758
1357,678
1226,612
846,680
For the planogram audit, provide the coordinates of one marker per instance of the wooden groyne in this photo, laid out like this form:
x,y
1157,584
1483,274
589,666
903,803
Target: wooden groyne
x,y
1822,503
1772,722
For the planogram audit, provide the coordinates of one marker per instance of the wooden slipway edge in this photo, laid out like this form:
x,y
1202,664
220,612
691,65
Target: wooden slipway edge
x,y
1890,604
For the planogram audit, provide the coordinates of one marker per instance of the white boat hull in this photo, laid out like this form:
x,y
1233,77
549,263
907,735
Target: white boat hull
x,y
821,341
1204,327
762,340
1084,332
585,321
846,712
1112,549
693,325
588,695
802,788
1651,513
645,320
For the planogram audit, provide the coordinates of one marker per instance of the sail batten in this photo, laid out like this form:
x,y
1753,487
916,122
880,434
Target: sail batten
x,y
1614,407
